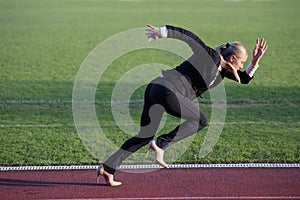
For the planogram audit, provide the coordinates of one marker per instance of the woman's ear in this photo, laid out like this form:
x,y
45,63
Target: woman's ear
x,y
231,58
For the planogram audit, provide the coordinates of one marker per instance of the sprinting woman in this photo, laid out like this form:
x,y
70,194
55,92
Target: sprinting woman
x,y
175,90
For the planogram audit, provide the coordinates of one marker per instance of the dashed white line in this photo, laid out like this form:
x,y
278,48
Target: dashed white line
x,y
154,166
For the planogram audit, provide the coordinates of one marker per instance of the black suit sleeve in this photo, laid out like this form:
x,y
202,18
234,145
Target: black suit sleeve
x,y
198,47
195,43
245,78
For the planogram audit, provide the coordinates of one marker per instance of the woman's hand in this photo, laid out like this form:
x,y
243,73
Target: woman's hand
x,y
258,51
153,33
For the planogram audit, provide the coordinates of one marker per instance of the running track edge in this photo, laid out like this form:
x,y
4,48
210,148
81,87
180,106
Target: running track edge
x,y
153,166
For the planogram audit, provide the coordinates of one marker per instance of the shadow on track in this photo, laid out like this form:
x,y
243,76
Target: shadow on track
x,y
17,182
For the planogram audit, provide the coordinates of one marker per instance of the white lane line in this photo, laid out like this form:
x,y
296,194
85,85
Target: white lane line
x,y
250,0
113,124
65,101
154,166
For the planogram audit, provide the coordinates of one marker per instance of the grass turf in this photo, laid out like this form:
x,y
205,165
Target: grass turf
x,y
44,43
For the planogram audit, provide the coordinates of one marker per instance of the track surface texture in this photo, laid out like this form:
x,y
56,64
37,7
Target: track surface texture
x,y
190,183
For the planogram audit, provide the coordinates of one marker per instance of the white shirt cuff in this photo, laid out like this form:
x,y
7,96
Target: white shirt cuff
x,y
250,70
163,31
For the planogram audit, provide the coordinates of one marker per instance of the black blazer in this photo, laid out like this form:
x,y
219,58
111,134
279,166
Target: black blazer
x,y
201,70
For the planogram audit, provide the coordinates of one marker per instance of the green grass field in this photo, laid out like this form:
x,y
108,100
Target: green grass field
x,y
43,43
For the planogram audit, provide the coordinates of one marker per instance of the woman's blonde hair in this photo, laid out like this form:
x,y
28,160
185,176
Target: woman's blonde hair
x,y
226,50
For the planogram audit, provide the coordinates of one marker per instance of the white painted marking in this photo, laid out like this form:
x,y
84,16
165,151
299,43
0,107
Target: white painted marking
x,y
64,101
130,0
153,166
250,0
233,0
114,124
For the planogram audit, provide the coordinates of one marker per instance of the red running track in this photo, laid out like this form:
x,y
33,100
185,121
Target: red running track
x,y
194,183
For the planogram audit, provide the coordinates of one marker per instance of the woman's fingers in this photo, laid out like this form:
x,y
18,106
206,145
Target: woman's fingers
x,y
263,45
257,42
152,32
260,45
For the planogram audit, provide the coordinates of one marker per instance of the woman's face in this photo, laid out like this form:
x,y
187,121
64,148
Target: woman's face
x,y
238,61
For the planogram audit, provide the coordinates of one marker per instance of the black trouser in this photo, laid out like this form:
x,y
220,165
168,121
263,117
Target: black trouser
x,y
160,96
